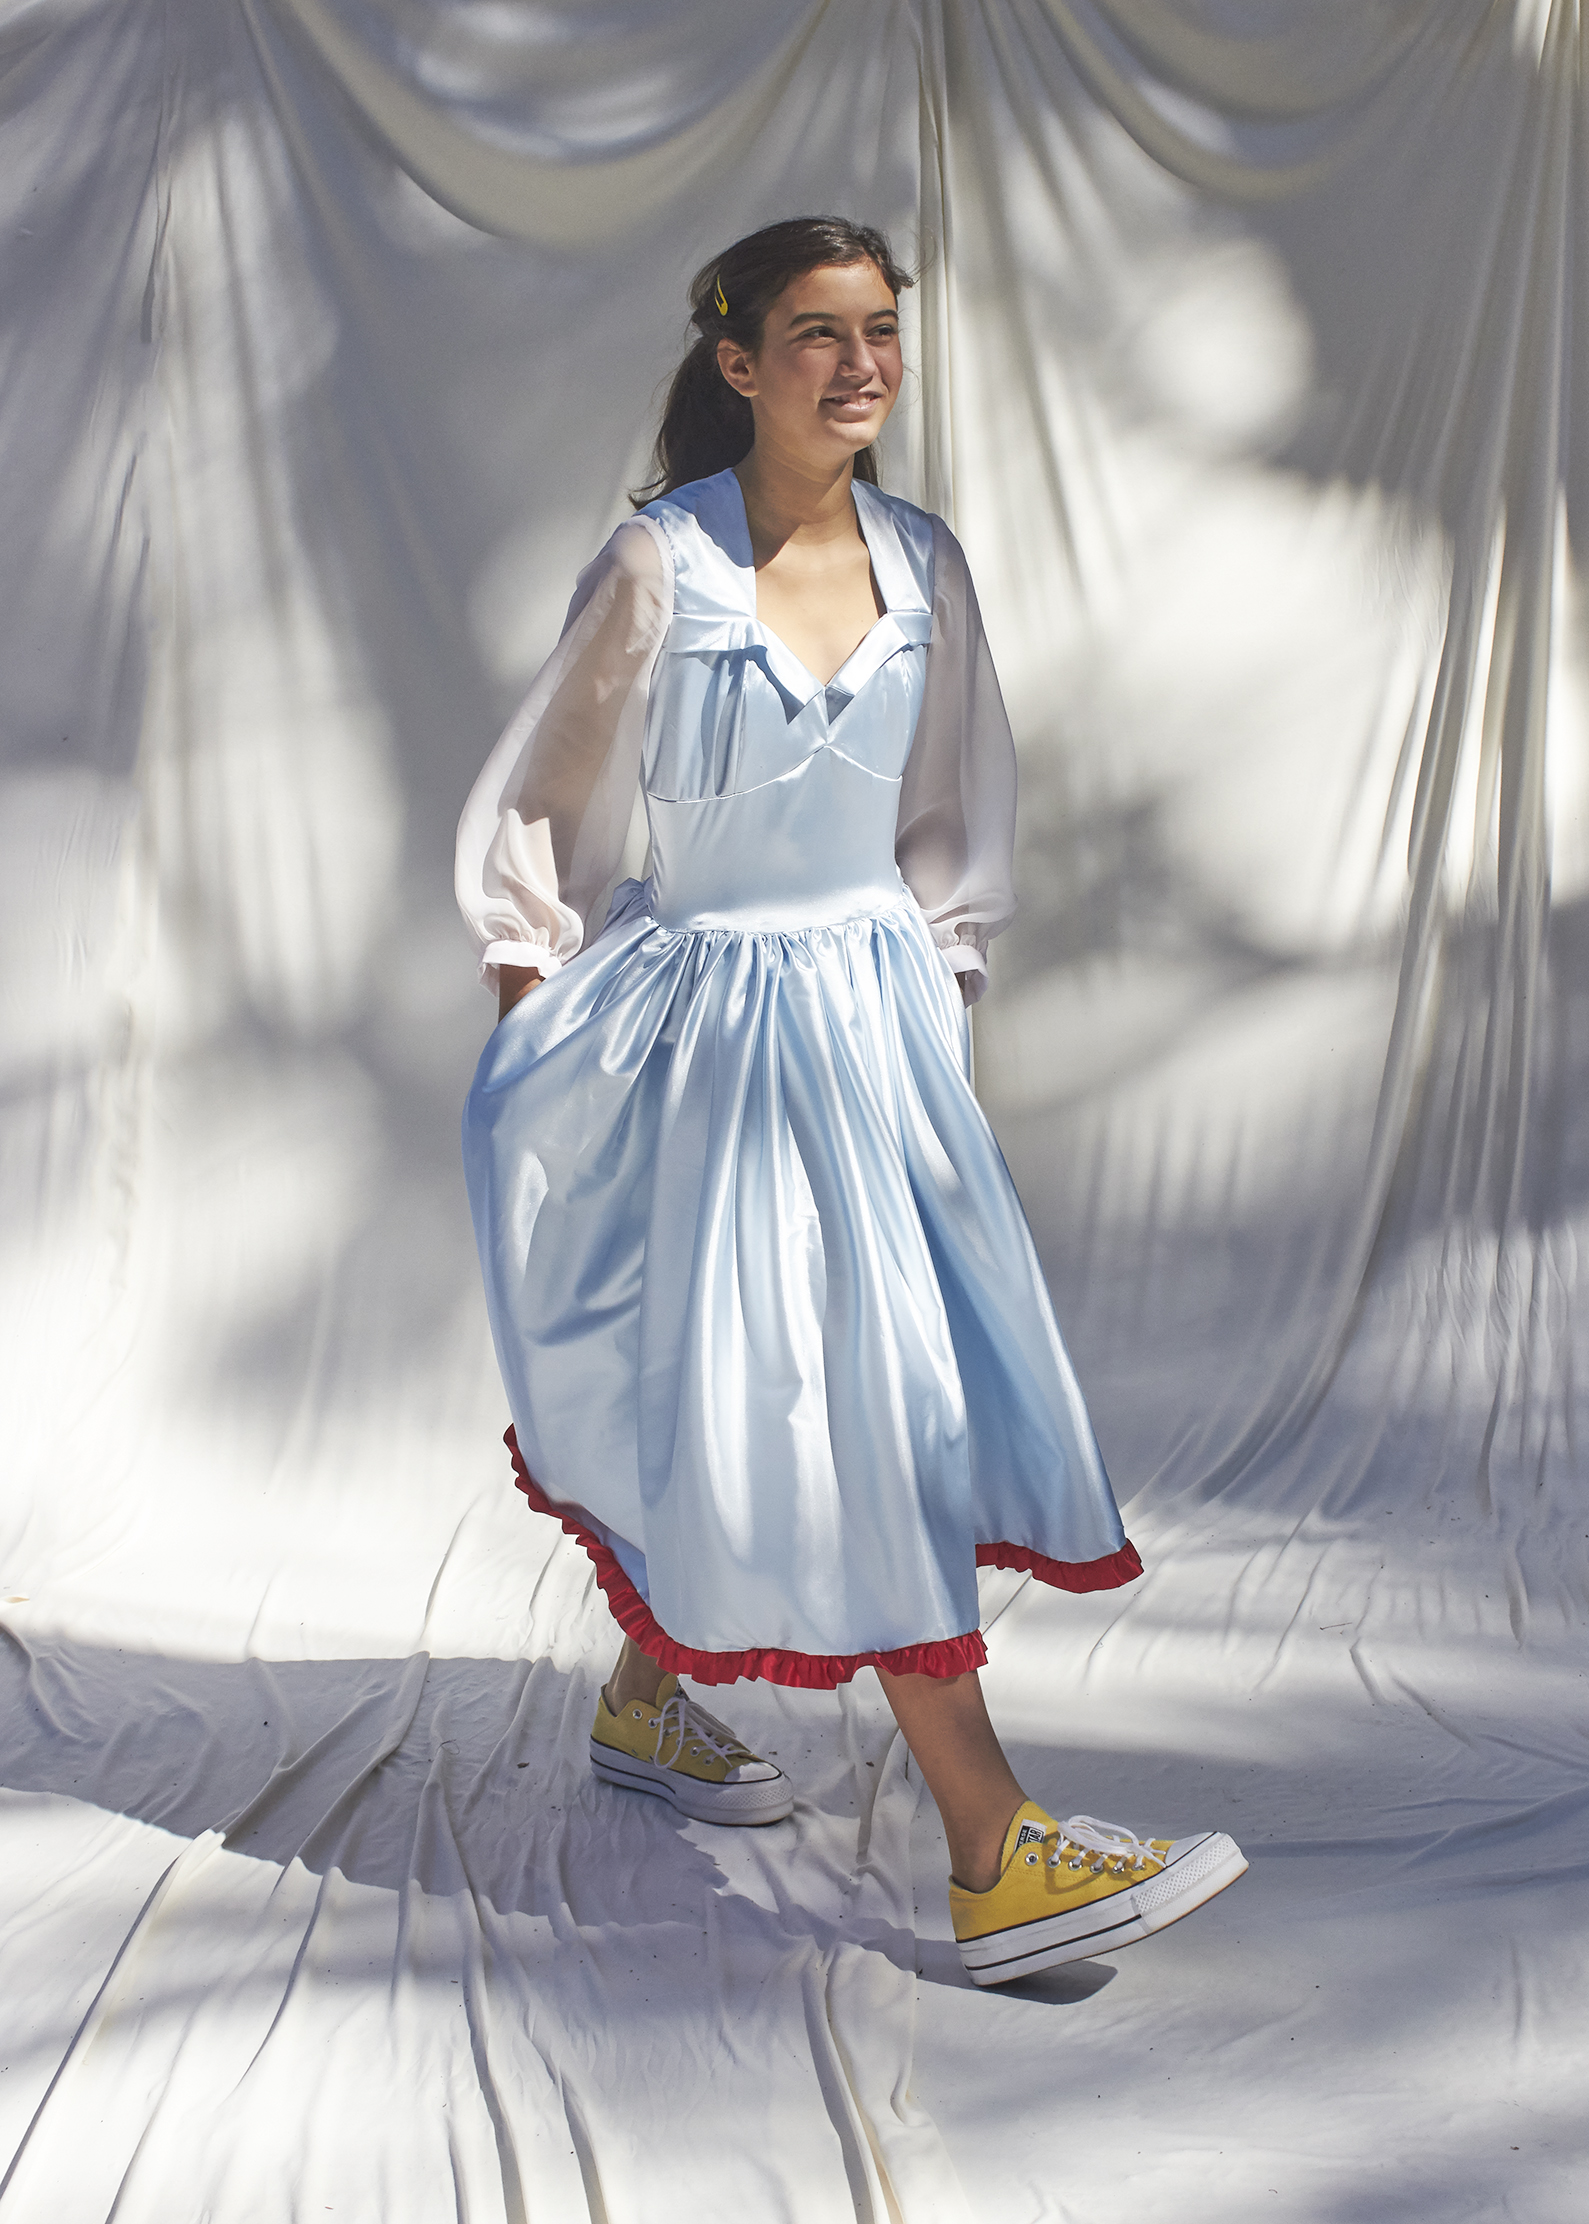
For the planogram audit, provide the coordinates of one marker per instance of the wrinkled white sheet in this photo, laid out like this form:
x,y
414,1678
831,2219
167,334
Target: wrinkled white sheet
x,y
1248,378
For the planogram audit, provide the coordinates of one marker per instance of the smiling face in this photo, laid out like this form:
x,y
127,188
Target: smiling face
x,y
827,372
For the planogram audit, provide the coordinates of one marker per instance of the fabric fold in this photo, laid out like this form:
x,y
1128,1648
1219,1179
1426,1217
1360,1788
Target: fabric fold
x,y
774,1333
765,1304
952,1656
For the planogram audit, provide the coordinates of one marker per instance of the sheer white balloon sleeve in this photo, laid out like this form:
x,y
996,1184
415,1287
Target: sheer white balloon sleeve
x,y
956,835
542,833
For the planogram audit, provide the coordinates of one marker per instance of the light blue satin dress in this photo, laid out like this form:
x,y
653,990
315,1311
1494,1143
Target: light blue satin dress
x,y
774,1335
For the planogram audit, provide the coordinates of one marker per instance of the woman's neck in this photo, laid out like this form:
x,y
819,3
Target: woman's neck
x,y
786,500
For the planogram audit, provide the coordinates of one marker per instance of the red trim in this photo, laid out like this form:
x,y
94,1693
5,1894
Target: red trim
x,y
1107,1574
947,1656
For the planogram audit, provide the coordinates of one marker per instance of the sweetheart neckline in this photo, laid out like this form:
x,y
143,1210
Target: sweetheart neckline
x,y
822,686
859,515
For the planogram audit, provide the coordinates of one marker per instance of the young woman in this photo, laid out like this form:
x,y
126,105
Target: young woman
x,y
774,1335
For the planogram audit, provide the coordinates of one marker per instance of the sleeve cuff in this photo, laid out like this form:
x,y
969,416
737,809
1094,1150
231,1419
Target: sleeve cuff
x,y
538,955
970,964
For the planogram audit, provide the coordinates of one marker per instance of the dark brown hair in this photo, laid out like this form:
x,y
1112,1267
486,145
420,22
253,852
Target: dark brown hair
x,y
706,427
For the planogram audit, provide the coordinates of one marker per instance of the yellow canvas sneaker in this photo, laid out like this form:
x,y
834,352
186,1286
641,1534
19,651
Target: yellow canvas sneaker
x,y
1068,1890
678,1751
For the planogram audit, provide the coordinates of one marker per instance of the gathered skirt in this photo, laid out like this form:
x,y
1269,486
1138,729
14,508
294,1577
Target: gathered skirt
x,y
774,1335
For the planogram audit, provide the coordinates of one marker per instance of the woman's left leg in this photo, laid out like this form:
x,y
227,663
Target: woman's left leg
x,y
945,1724
1027,1891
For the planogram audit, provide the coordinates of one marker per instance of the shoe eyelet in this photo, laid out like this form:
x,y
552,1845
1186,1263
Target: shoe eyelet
x,y
1073,1864
1031,1861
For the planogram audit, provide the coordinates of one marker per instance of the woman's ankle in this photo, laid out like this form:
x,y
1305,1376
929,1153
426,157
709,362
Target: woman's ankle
x,y
635,1676
974,1853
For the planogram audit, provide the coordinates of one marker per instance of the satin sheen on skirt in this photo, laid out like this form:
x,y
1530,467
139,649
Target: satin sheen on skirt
x,y
774,1334
773,1331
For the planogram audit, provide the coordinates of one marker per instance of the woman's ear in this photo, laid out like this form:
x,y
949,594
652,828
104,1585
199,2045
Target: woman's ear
x,y
737,367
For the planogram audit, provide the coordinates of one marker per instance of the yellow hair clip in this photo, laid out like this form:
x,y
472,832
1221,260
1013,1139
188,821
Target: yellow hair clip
x,y
721,299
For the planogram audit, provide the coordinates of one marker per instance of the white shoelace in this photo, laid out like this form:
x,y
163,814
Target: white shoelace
x,y
1111,1843
683,1721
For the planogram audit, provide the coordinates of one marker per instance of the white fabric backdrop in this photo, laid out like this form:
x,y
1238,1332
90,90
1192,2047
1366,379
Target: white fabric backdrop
x,y
1247,374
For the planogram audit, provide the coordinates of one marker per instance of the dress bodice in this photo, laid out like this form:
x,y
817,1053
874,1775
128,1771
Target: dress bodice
x,y
773,798
776,801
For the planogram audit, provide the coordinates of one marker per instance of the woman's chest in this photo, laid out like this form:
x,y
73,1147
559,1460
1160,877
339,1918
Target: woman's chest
x,y
727,715
732,706
823,610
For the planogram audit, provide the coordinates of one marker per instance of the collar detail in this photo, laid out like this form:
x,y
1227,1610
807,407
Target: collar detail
x,y
719,578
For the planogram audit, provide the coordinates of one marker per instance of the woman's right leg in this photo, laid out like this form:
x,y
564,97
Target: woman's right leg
x,y
945,1723
678,1750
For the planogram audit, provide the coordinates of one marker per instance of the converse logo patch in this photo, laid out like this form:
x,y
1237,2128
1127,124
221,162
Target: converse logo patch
x,y
1031,1834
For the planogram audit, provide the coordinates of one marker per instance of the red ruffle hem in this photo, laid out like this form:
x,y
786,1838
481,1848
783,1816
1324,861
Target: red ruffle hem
x,y
947,1656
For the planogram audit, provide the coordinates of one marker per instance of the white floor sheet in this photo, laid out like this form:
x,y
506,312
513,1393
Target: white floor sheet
x,y
1246,369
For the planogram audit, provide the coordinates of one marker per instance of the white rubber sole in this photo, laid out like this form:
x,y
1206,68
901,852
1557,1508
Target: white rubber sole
x,y
1193,1877
743,1805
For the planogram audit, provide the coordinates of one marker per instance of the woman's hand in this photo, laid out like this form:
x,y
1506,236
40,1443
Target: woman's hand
x,y
514,981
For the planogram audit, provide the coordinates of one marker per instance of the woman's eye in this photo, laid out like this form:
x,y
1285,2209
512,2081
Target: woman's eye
x,y
831,332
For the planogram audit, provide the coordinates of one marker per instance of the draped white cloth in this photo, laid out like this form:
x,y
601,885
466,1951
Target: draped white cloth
x,y
1247,371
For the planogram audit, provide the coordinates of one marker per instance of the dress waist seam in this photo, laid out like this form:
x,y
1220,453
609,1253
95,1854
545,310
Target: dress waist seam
x,y
902,906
